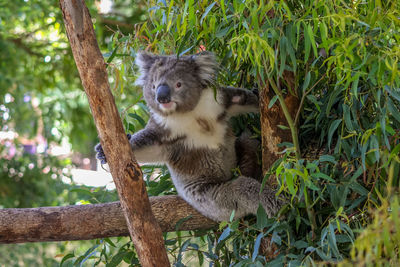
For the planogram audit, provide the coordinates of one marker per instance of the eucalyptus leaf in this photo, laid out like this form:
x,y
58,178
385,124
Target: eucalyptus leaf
x,y
257,246
272,101
206,11
332,128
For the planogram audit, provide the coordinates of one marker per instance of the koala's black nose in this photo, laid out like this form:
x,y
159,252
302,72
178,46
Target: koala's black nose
x,y
163,94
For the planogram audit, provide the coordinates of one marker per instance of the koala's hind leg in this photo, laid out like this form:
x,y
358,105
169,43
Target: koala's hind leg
x,y
217,201
247,156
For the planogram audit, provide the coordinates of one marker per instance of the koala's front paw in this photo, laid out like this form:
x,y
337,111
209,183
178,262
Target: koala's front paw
x,y
246,97
100,152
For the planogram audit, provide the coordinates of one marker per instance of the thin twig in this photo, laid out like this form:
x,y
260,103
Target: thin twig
x,y
296,120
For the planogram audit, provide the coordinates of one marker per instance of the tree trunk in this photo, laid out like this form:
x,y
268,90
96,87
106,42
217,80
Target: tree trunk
x,y
144,230
271,134
84,222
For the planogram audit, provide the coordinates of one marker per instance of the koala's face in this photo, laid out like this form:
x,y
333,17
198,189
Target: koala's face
x,y
173,85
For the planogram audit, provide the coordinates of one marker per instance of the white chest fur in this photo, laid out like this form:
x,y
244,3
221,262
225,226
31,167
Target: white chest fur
x,y
200,126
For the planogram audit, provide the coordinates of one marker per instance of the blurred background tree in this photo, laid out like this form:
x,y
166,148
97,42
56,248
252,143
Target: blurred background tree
x,y
40,88
344,56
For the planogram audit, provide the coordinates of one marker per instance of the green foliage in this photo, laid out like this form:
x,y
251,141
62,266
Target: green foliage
x,y
25,180
378,244
33,254
38,72
38,180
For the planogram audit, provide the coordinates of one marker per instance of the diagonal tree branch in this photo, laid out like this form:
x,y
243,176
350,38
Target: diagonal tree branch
x,y
143,228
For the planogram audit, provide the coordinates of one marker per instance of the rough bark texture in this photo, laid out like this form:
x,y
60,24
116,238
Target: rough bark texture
x,y
144,230
92,221
272,135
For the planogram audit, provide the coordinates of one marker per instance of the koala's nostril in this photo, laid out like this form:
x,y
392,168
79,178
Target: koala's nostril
x,y
163,94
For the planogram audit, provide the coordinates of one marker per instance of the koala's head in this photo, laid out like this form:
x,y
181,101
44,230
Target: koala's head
x,y
175,85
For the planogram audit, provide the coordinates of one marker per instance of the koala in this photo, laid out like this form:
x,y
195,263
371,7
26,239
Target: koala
x,y
189,132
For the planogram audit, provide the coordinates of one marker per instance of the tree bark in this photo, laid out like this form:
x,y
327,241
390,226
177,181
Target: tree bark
x,y
271,134
84,222
144,230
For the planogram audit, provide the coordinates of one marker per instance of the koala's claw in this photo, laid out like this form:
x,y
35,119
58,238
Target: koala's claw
x,y
100,152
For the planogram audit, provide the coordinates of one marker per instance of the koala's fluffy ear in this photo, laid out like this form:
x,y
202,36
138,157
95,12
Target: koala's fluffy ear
x,y
208,66
144,61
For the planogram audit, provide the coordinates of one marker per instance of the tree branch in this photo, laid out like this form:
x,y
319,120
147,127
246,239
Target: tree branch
x,y
83,222
116,23
20,44
143,228
296,120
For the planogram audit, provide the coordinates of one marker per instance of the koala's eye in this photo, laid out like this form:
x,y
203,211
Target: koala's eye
x,y
154,86
178,84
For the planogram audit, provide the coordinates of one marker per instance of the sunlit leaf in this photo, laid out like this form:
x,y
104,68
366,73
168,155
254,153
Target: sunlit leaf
x,y
206,11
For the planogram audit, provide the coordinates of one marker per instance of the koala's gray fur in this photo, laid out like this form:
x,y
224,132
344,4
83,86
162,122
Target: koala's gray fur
x,y
189,132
